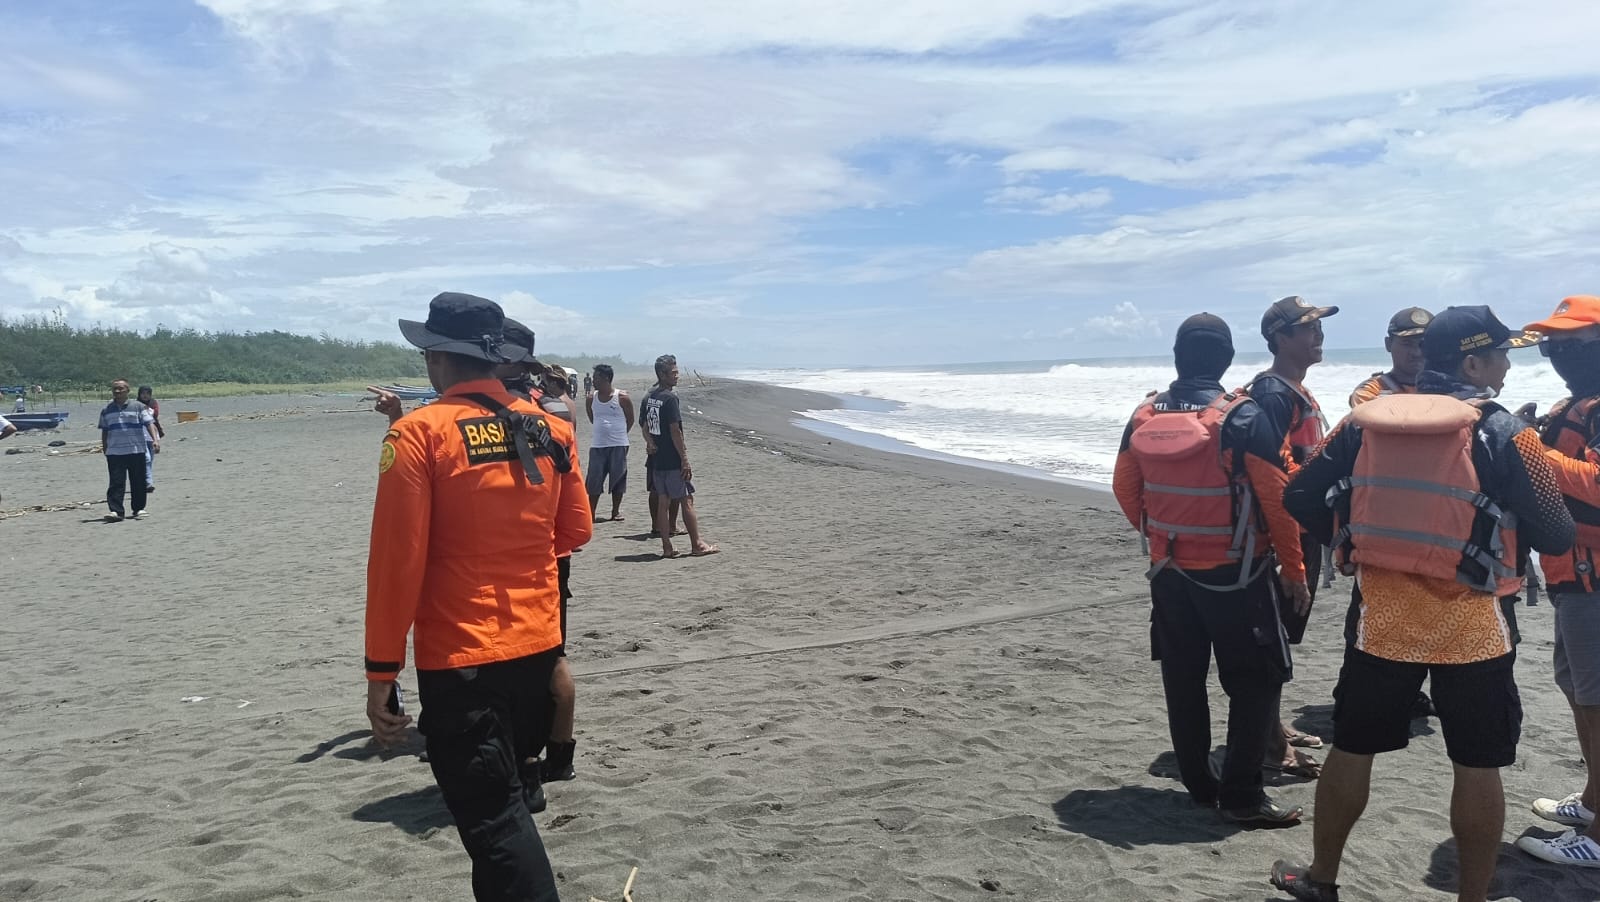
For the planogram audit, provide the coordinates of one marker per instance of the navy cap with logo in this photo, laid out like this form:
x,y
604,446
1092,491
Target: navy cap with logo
x,y
519,343
1286,313
1458,331
1408,322
460,324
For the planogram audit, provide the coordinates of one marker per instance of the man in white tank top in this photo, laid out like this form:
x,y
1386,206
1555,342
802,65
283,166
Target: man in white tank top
x,y
611,412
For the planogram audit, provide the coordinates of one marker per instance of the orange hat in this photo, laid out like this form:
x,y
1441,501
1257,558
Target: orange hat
x,y
1577,312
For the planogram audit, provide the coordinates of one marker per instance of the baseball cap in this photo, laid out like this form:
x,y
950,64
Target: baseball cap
x,y
1576,312
1465,330
1291,311
1408,322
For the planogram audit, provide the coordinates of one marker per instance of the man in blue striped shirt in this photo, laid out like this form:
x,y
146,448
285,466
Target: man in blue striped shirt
x,y
125,427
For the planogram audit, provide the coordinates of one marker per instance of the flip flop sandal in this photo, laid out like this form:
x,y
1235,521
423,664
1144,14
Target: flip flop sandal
x,y
1303,740
1304,766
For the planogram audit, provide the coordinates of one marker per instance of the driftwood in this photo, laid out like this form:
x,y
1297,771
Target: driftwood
x,y
627,888
45,508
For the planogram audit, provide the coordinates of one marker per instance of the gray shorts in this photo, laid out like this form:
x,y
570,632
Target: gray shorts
x,y
604,462
672,484
1578,646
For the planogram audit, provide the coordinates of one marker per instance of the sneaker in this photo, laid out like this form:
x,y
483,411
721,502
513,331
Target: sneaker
x,y
557,763
1569,812
1572,848
1266,813
1295,880
138,515
113,517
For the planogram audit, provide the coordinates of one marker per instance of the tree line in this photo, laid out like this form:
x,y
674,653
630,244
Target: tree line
x,y
49,352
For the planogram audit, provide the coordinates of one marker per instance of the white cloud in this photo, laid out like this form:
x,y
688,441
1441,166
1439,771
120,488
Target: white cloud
x,y
547,321
693,308
1033,199
329,164
1123,324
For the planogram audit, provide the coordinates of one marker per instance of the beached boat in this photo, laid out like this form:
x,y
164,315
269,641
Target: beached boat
x,y
48,419
412,392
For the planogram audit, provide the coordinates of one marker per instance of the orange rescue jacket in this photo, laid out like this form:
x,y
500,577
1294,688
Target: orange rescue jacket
x,y
1414,496
1569,431
464,540
1376,387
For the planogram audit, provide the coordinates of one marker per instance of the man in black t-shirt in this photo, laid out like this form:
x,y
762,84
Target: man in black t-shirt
x,y
668,460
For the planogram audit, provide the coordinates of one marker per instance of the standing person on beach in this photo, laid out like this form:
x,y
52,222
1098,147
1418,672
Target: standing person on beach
x,y
126,427
1404,344
1571,339
477,495
611,413
670,460
520,378
651,494
147,397
555,398
1292,327
1200,475
1428,498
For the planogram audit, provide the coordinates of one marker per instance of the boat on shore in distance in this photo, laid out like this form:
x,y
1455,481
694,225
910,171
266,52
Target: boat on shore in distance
x,y
47,419
412,392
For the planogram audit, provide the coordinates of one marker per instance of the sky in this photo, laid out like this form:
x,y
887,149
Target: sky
x,y
782,184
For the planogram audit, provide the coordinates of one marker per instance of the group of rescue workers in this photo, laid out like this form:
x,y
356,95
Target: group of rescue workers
x,y
1432,497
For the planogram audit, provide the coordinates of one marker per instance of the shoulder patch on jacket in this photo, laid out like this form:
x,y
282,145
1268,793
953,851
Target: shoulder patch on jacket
x,y
486,440
386,457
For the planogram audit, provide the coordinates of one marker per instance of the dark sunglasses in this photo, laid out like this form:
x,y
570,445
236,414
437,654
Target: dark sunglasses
x,y
1544,346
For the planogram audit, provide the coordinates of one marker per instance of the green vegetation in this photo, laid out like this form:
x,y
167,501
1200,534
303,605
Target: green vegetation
x,y
48,352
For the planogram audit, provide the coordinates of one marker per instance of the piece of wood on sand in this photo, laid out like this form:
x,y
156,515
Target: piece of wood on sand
x,y
627,888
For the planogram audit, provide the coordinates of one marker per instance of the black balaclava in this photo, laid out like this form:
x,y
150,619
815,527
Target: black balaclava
x,y
1578,364
1203,348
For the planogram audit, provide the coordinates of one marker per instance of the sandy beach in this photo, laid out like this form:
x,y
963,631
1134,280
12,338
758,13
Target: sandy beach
x,y
904,679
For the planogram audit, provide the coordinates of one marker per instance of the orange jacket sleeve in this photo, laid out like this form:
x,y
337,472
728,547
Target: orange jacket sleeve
x,y
1365,392
1577,479
1127,483
574,518
399,549
1267,481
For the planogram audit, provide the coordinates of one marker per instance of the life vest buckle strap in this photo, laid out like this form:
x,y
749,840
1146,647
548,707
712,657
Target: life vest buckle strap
x,y
1192,491
1336,491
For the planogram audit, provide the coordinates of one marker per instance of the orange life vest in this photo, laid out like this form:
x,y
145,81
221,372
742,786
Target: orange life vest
x,y
1198,508
1415,498
1566,429
1307,428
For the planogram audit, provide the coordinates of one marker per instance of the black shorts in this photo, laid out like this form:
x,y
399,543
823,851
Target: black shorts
x,y
563,574
1479,709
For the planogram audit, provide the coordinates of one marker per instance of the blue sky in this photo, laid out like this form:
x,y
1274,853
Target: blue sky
x,y
749,183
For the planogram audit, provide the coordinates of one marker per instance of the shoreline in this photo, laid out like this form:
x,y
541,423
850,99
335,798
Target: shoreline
x,y
778,412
